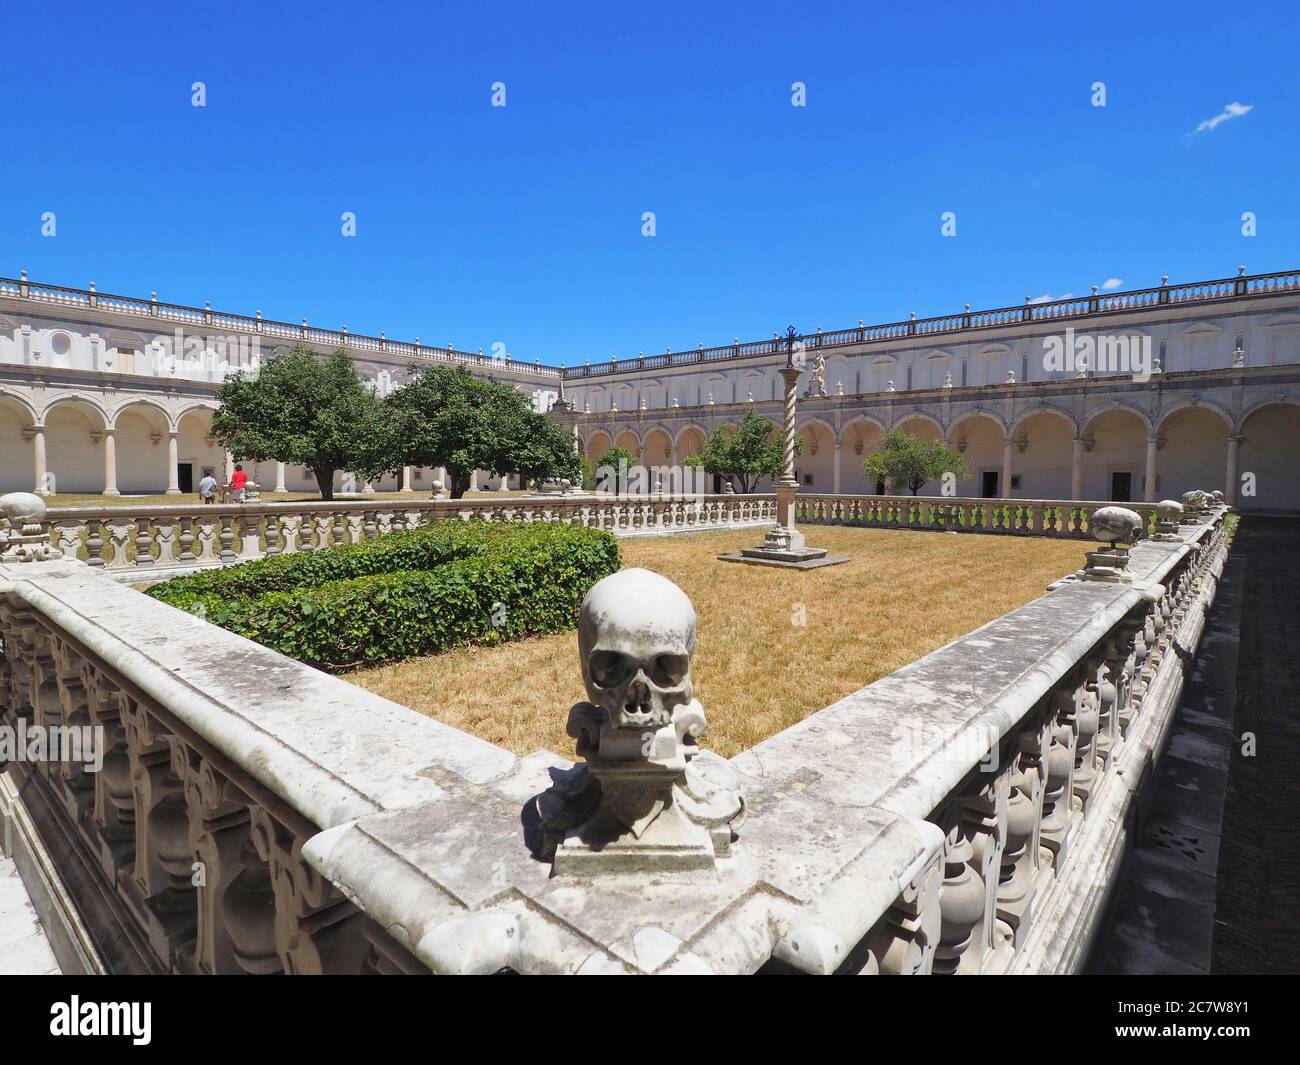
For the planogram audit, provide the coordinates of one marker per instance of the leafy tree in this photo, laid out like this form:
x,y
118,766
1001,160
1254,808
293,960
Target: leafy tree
x,y
302,409
446,416
618,459
745,454
903,459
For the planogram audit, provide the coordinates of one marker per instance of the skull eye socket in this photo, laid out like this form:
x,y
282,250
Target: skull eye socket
x,y
668,671
609,668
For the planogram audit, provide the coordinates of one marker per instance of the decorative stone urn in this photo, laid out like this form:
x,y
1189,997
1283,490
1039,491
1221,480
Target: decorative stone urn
x,y
435,489
24,534
644,801
1168,514
1119,528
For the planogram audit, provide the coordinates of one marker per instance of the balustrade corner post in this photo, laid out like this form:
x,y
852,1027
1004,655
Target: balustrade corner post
x,y
25,534
639,803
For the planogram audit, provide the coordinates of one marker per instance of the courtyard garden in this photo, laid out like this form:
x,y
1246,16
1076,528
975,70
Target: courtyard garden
x,y
773,645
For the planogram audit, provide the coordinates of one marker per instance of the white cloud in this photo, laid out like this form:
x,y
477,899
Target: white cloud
x,y
1111,282
1233,110
1047,297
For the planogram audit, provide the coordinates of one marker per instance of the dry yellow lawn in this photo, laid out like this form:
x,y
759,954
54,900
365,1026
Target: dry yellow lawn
x,y
773,645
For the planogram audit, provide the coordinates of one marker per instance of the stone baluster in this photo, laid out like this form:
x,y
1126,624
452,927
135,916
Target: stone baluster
x,y
903,943
143,543
164,534
316,929
207,540
159,890
119,539
94,542
1022,875
235,903
76,752
68,536
226,535
1095,698
110,831
186,541
1058,816
273,523
290,530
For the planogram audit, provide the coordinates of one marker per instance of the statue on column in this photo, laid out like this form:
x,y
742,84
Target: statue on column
x,y
817,387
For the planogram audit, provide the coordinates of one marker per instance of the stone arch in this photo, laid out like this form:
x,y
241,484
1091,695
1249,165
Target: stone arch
x,y
1114,453
1192,443
858,437
630,439
972,415
197,450
1169,415
22,401
17,445
1044,452
925,419
75,445
657,447
191,408
1091,417
76,398
815,420
860,424
140,401
1268,458
815,464
1049,410
142,428
979,435
596,443
680,440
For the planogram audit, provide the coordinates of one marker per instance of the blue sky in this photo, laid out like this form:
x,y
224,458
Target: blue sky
x,y
479,224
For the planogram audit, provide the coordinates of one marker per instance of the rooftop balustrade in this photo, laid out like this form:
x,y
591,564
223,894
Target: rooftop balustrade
x,y
1243,286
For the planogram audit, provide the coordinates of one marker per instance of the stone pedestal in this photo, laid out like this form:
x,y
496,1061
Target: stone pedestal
x,y
785,545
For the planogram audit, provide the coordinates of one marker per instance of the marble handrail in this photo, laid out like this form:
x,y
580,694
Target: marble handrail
x,y
162,538
1067,519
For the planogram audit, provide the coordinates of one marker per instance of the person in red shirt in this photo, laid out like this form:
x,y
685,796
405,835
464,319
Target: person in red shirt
x,y
238,481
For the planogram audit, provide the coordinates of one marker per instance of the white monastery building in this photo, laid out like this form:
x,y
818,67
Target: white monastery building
x,y
1136,395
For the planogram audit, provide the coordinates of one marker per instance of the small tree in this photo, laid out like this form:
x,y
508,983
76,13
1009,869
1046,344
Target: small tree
x,y
903,459
618,459
745,454
302,409
446,416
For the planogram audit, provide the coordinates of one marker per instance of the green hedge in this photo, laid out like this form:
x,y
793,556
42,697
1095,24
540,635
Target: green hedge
x,y
405,593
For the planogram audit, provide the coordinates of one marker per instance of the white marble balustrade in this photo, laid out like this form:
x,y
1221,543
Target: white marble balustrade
x,y
158,541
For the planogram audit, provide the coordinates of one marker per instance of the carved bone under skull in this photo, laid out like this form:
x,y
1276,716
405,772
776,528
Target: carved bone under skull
x,y
21,509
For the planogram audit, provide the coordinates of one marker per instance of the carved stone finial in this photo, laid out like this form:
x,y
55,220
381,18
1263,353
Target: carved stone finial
x,y
24,532
1119,528
435,488
643,801
1194,503
1168,513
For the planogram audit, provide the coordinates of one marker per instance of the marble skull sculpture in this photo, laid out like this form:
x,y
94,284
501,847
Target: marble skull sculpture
x,y
19,509
636,636
1115,525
